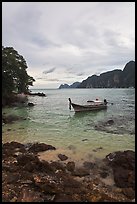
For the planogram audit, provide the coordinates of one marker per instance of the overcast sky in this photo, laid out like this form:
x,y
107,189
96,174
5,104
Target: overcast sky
x,y
67,42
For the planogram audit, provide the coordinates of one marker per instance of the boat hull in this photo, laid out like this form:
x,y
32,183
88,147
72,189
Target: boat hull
x,y
80,108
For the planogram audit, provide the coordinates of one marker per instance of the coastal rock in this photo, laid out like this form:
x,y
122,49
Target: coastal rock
x,y
104,174
13,145
124,159
41,94
40,147
88,165
64,198
37,94
110,122
80,172
123,165
70,166
57,166
29,196
26,158
47,184
27,179
10,149
30,104
62,157
124,178
129,192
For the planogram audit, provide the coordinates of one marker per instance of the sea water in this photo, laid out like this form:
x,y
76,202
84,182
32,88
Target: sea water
x,y
81,136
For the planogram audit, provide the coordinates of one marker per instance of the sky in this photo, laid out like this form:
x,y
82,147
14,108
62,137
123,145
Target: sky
x,y
66,42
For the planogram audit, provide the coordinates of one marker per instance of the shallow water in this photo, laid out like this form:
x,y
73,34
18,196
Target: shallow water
x,y
50,121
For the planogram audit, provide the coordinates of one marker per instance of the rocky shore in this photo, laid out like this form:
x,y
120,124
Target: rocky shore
x,y
28,178
19,100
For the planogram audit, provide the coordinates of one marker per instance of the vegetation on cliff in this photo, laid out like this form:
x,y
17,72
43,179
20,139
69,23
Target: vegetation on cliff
x,y
111,79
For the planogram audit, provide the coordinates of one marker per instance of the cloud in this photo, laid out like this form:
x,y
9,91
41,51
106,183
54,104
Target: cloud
x,y
49,71
75,39
48,79
80,74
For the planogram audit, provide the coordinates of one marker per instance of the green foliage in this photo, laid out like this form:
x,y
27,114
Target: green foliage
x,y
14,74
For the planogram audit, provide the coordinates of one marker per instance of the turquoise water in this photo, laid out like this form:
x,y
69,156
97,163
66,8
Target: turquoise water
x,y
50,121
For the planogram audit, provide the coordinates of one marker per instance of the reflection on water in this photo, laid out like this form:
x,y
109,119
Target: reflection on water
x,y
89,113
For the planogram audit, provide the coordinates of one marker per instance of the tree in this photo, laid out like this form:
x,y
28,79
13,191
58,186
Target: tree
x,y
14,74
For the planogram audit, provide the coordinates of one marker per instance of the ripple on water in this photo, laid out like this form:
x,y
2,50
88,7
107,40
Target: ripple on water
x,y
50,121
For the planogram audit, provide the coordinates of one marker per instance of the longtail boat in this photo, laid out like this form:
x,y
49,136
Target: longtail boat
x,y
93,106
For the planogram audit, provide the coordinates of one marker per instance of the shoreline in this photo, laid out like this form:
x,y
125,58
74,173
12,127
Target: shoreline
x,y
79,149
29,176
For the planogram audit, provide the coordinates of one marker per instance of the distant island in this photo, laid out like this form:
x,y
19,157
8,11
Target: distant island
x,y
111,79
74,85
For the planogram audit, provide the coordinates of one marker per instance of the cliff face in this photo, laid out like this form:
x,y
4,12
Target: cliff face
x,y
112,79
129,75
106,80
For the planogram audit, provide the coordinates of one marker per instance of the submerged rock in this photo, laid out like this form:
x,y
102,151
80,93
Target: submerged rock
x,y
120,125
110,122
11,118
30,104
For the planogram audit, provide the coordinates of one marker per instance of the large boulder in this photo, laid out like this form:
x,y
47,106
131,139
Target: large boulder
x,y
123,165
40,147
